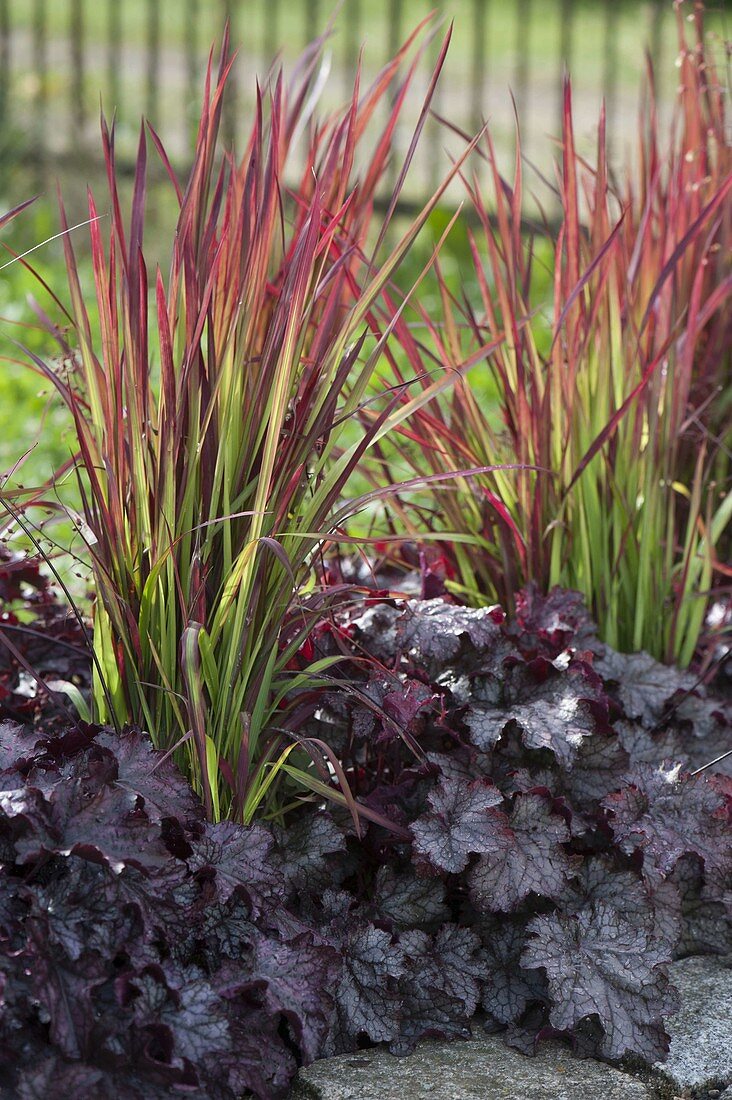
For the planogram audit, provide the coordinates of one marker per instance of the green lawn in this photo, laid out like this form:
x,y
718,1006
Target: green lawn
x,y
30,419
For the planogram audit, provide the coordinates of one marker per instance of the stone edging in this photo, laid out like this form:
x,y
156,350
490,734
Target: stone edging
x,y
699,1064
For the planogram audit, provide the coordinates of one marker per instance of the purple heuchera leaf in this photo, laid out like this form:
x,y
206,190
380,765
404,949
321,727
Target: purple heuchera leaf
x,y
550,623
99,822
404,900
257,1060
54,1077
83,911
437,633
706,716
367,997
146,772
376,628
403,704
598,964
459,825
64,989
239,858
457,951
667,815
644,746
14,904
644,685
16,745
656,909
101,946
679,742
509,987
300,981
306,850
185,1003
599,767
293,979
706,921
438,990
527,856
555,713
216,960
389,707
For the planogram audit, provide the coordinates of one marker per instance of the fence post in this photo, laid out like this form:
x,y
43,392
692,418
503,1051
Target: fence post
x,y
271,24
40,67
312,17
656,42
477,78
610,75
4,62
114,46
393,42
78,57
231,93
566,41
190,48
432,130
521,78
352,45
152,91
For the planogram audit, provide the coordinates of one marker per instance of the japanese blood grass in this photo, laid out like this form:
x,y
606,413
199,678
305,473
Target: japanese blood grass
x,y
625,401
10,214
209,417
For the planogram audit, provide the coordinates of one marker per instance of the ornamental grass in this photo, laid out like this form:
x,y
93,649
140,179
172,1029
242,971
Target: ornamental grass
x,y
611,395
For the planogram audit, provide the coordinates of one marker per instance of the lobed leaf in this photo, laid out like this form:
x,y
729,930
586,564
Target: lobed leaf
x,y
599,965
527,857
665,814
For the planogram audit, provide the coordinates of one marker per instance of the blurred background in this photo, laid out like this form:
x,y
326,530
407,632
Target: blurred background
x,y
61,60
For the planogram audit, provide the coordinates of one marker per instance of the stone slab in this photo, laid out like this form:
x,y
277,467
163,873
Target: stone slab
x,y
701,1032
477,1069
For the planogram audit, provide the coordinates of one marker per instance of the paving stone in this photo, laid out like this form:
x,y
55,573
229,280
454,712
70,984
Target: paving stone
x,y
479,1069
701,1032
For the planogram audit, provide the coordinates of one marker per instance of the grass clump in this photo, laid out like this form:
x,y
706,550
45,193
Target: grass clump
x,y
215,415
611,397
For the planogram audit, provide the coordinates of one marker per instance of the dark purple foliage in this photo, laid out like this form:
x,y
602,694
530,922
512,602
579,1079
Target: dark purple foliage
x,y
599,964
457,825
510,987
368,994
666,815
543,815
528,856
51,643
548,624
554,854
128,970
643,685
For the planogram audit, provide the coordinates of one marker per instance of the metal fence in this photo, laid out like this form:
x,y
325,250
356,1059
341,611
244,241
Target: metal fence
x,y
58,57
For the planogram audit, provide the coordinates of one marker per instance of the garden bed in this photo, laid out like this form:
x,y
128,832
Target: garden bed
x,y
398,707
533,848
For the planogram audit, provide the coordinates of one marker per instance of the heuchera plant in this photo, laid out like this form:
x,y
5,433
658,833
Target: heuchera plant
x,y
45,674
545,783
550,849
140,949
